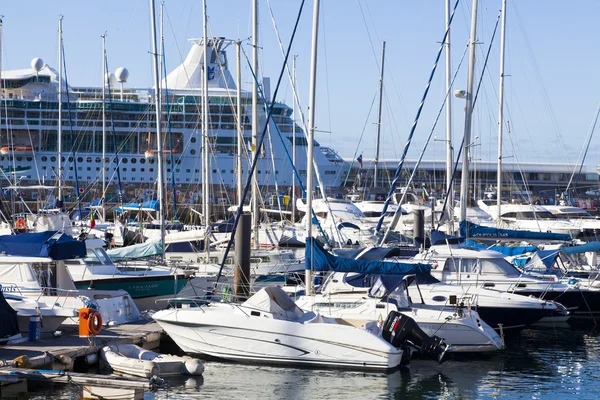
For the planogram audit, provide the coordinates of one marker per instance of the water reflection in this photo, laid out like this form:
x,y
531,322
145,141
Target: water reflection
x,y
546,363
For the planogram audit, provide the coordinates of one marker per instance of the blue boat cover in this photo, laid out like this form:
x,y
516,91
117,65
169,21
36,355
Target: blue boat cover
x,y
150,205
318,259
53,244
438,237
475,231
590,246
507,251
543,260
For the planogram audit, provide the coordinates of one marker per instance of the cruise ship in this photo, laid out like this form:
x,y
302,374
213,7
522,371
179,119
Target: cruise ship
x,y
29,123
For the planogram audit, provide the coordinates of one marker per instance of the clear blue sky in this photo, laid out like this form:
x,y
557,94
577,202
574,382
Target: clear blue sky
x,y
551,93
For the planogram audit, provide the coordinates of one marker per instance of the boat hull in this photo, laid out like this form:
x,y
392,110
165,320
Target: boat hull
x,y
243,337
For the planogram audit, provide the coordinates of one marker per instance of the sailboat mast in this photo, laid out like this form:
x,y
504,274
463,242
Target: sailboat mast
x,y
60,65
206,143
255,191
449,150
238,94
294,140
375,168
500,112
103,69
159,147
464,180
311,134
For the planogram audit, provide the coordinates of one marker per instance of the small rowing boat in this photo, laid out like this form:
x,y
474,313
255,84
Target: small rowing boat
x,y
133,360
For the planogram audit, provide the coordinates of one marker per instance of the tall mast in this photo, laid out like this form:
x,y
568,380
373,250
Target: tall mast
x,y
60,69
449,152
464,179
159,144
500,111
104,126
206,143
255,190
379,115
294,140
238,94
311,133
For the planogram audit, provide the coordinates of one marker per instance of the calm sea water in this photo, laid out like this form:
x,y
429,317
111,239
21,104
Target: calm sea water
x,y
543,363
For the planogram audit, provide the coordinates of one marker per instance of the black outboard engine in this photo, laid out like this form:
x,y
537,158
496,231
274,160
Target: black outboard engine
x,y
400,329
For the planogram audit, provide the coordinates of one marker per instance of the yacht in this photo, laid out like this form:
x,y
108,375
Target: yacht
x,y
360,298
469,267
145,283
51,316
269,328
530,218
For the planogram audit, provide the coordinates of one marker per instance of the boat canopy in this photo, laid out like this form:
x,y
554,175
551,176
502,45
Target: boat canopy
x,y
438,237
475,231
543,261
141,250
583,248
318,259
150,205
53,244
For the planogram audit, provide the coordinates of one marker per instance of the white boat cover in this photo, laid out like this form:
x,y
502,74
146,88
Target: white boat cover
x,y
274,300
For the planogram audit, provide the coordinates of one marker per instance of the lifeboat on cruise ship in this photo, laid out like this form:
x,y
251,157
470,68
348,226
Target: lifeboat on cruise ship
x,y
154,153
16,149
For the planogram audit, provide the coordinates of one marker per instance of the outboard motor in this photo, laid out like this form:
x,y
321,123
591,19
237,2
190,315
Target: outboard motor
x,y
400,329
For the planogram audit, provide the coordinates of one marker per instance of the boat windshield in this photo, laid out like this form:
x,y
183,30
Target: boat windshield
x,y
530,215
483,266
97,257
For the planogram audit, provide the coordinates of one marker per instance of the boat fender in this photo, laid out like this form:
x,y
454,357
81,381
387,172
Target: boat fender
x,y
63,359
95,322
192,367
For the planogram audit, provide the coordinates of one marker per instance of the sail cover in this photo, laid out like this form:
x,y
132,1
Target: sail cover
x,y
55,245
475,231
318,259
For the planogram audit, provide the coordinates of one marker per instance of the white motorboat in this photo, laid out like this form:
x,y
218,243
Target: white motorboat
x,y
133,360
269,328
51,317
360,298
469,267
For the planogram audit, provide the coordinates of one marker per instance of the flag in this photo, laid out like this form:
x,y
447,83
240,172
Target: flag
x,y
92,221
359,159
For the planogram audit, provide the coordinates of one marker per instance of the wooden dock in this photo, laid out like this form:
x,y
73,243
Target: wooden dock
x,y
60,352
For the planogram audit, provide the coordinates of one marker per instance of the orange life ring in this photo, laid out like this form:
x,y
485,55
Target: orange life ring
x,y
95,322
20,224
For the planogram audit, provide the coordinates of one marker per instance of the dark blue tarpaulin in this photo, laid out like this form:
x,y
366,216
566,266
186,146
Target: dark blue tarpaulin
x,y
53,244
475,231
438,237
318,259
507,251
590,246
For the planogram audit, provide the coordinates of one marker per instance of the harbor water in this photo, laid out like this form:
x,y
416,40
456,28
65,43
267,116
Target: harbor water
x,y
547,363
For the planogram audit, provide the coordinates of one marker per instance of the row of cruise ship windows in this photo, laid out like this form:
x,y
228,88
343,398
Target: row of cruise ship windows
x,y
124,160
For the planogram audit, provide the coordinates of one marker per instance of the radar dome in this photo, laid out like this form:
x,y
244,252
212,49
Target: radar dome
x,y
37,64
109,79
122,74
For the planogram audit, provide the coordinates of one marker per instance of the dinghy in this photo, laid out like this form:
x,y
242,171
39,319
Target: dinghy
x,y
133,360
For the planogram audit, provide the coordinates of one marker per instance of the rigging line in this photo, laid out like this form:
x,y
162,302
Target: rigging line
x,y
587,146
360,139
398,211
362,13
269,118
114,135
170,134
257,154
302,119
71,131
559,135
415,123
